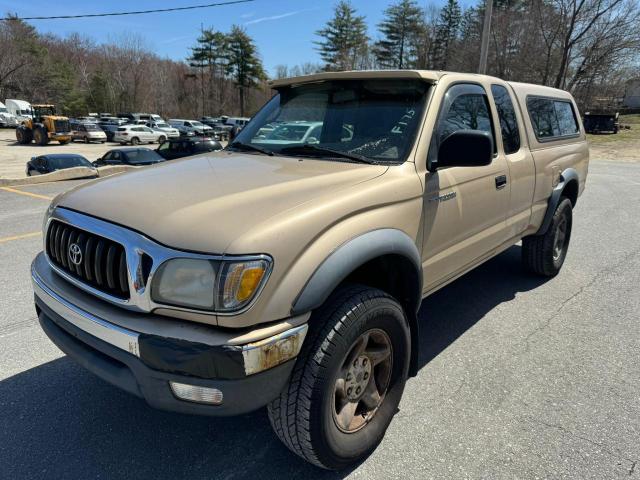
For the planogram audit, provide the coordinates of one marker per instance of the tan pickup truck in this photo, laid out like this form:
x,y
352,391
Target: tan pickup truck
x,y
288,269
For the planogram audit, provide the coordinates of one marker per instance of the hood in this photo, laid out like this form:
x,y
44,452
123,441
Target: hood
x,y
204,203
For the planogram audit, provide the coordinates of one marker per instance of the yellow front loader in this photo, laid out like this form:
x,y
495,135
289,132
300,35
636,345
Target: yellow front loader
x,y
44,126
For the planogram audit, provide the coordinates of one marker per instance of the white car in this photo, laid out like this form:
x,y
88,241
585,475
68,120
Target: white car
x,y
291,132
136,134
162,126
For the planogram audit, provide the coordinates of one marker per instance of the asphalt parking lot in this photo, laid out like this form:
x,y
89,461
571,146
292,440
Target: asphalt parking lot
x,y
520,377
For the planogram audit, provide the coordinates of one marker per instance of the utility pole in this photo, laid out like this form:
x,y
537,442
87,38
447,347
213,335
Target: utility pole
x,y
486,30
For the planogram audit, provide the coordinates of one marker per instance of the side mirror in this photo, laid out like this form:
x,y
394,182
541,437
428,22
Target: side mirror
x,y
464,148
312,141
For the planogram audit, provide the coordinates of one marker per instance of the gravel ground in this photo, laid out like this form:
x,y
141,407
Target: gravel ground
x,y
520,377
14,157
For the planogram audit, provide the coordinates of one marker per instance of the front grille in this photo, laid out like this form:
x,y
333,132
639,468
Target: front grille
x,y
99,262
61,126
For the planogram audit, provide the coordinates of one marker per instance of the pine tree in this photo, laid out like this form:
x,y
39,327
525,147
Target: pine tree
x,y
447,31
210,54
343,38
243,63
401,29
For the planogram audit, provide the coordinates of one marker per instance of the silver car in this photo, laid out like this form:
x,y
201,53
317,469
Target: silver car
x,y
163,127
88,132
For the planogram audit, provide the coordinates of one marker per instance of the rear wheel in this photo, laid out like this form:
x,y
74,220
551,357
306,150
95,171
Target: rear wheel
x,y
545,254
348,379
40,135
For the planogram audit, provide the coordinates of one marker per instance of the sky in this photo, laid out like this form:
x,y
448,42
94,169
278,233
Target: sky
x,y
284,30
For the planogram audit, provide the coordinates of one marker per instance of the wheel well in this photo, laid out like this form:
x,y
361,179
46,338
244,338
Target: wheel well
x,y
393,274
571,192
397,276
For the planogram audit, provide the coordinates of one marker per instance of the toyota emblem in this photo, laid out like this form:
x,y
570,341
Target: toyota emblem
x,y
75,254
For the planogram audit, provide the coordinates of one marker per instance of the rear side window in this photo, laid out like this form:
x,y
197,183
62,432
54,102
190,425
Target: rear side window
x,y
552,118
508,121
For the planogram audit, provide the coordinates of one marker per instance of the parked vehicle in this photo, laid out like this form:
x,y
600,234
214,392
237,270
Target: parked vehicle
x,y
109,130
145,117
43,126
19,109
290,275
88,132
185,147
236,121
58,161
7,119
193,126
112,121
286,133
136,134
129,156
601,122
162,126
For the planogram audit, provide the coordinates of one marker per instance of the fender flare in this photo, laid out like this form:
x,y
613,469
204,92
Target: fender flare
x,y
567,176
351,255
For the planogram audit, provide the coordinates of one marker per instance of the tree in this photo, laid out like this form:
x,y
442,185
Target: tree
x,y
401,30
210,54
343,38
447,30
243,63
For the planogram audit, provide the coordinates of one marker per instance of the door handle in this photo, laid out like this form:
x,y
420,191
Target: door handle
x,y
501,182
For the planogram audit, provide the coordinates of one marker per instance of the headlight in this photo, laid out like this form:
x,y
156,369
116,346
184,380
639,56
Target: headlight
x,y
222,286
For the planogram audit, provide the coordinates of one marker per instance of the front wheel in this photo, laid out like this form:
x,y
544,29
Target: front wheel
x,y
545,254
347,381
135,141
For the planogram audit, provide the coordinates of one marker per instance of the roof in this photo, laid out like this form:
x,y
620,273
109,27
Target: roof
x,y
62,155
131,149
427,75
20,103
524,89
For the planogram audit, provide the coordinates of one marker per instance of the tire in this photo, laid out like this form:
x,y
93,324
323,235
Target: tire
x,y
305,416
40,135
24,135
162,139
86,139
135,141
545,254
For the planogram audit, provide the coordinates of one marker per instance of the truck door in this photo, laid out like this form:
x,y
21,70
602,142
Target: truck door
x,y
518,156
465,208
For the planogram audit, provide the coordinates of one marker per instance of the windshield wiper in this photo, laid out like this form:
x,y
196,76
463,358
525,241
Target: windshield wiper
x,y
249,147
310,148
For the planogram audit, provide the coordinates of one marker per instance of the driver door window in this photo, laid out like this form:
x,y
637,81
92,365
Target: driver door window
x,y
465,214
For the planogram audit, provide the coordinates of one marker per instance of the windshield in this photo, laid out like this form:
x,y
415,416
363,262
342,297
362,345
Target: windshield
x,y
91,127
58,163
162,125
143,156
196,124
376,119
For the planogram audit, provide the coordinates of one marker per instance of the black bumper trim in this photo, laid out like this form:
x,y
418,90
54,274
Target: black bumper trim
x,y
129,373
